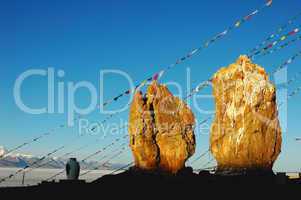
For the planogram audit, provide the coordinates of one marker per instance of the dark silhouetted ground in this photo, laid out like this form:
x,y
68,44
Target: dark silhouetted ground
x,y
138,184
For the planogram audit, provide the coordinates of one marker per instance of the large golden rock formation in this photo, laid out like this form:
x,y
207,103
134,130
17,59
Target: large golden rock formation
x,y
245,134
161,130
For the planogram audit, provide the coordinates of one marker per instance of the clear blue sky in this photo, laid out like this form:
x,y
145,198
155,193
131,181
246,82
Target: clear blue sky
x,y
138,37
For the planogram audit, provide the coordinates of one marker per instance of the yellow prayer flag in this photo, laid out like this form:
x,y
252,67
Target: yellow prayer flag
x,y
143,83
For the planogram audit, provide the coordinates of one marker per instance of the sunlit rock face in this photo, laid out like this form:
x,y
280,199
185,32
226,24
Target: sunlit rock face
x,y
161,130
245,134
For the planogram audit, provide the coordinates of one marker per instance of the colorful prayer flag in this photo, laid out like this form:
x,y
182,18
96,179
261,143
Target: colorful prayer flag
x,y
192,52
156,76
283,38
254,12
207,43
224,32
161,74
237,24
143,83
289,61
269,3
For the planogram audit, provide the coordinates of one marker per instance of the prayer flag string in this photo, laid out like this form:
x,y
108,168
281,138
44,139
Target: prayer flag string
x,y
295,92
276,33
31,165
90,156
62,156
293,79
36,139
102,149
123,167
281,46
79,149
206,83
287,62
105,120
106,162
193,52
35,163
105,156
272,44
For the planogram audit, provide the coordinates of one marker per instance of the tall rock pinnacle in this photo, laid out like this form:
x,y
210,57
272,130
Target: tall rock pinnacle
x,y
161,130
245,134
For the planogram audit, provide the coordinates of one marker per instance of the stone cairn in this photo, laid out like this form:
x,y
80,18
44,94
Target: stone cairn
x,y
161,130
245,134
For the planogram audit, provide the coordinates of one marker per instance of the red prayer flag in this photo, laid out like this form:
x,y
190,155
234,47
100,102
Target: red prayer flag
x,y
293,32
247,17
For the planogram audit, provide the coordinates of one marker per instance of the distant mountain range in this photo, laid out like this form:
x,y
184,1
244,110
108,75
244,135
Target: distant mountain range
x,y
22,160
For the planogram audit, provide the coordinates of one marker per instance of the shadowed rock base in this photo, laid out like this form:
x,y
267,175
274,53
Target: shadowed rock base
x,y
187,177
244,172
136,183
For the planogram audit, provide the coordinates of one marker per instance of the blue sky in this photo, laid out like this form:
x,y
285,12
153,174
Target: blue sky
x,y
139,38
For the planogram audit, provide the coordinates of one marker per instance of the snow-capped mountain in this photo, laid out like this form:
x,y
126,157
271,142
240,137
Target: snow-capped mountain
x,y
22,160
27,156
9,161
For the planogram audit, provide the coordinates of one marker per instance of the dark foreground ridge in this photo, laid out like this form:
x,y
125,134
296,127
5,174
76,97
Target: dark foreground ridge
x,y
132,182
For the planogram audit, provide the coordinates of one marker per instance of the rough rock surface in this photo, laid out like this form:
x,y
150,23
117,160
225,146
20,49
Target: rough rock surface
x,y
245,134
161,130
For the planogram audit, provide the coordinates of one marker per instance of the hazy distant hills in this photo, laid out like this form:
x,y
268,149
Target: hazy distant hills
x,y
21,160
